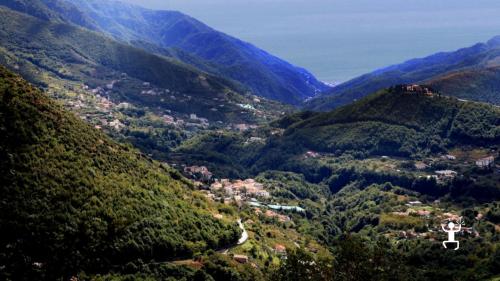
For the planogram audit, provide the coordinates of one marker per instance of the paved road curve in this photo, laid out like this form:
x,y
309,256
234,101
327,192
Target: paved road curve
x,y
244,235
243,239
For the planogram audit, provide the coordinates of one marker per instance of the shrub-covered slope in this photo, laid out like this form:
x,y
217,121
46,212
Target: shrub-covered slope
x,y
56,10
395,123
475,84
75,201
386,123
40,48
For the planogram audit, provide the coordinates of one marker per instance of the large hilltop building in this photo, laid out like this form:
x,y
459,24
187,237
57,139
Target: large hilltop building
x,y
415,89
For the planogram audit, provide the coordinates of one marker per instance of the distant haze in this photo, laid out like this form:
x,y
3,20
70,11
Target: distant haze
x,y
340,39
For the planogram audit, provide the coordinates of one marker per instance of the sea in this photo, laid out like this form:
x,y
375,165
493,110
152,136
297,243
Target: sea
x,y
340,39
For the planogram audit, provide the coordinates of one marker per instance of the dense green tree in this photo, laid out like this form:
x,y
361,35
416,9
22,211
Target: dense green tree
x,y
302,266
75,201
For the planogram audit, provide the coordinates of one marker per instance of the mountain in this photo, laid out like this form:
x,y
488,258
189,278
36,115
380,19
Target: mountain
x,y
388,123
195,43
74,201
392,165
392,122
475,84
442,71
57,53
54,10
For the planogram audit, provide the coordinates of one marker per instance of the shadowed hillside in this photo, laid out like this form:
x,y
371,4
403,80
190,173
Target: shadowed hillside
x,y
195,43
476,84
39,49
389,122
75,201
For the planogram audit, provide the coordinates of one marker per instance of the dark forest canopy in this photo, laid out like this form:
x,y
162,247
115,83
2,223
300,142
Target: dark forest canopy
x,y
73,200
387,123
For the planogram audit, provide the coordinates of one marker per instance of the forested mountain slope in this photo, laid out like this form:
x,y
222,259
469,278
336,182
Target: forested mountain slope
x,y
397,123
39,49
75,201
474,84
198,44
387,123
55,10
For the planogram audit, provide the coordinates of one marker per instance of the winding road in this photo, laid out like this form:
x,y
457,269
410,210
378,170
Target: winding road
x,y
243,239
244,235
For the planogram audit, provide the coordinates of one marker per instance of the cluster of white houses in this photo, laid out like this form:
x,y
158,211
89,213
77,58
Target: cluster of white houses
x,y
445,175
240,189
192,122
485,162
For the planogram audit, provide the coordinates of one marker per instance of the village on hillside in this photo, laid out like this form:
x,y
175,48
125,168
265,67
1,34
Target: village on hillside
x,y
239,192
99,105
413,219
247,194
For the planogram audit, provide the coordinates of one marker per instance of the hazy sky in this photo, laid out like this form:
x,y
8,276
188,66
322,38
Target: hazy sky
x,y
340,39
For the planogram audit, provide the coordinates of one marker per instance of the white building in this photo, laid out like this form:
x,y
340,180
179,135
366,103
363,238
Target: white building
x,y
485,162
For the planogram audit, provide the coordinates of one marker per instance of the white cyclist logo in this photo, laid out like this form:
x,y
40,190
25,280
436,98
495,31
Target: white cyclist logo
x,y
452,229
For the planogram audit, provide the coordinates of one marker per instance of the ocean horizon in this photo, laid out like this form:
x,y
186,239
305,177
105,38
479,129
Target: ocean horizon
x,y
339,40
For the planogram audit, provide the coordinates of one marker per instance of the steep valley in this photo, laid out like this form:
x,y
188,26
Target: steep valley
x,y
144,145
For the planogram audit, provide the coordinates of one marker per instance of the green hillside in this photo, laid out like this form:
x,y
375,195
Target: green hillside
x,y
477,84
388,123
369,177
393,123
75,53
186,39
41,50
55,10
74,201
264,74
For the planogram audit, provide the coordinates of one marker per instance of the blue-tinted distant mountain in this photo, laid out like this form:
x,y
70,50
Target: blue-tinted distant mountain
x,y
54,10
461,73
55,54
196,43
